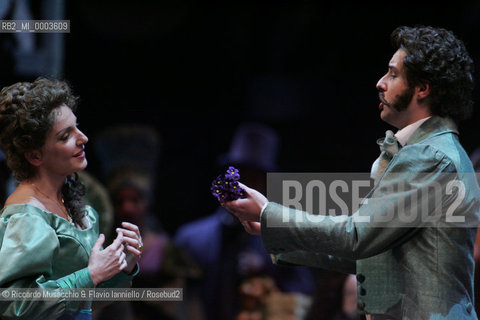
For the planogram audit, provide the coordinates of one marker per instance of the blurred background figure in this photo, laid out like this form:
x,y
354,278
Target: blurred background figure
x,y
129,146
335,298
129,157
218,243
260,298
131,193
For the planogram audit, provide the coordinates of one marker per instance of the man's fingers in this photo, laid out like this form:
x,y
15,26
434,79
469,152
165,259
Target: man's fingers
x,y
231,206
236,206
252,227
243,186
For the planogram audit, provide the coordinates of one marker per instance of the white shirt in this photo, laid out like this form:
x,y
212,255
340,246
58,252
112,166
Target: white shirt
x,y
404,134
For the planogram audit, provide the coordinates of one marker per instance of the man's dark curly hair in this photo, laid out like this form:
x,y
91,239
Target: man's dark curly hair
x,y
26,118
435,56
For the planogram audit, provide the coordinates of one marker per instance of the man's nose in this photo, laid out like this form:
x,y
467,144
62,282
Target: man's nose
x,y
381,85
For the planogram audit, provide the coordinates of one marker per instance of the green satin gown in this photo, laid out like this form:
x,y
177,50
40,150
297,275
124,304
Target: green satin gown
x,y
39,249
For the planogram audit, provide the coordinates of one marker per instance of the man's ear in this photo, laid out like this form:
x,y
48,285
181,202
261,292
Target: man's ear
x,y
34,157
422,91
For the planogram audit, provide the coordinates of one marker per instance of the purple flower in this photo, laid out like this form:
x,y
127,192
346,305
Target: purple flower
x,y
232,174
226,188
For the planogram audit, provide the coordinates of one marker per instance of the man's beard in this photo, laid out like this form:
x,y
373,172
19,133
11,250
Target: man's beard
x,y
402,101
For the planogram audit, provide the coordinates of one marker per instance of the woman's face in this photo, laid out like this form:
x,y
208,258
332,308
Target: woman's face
x,y
63,152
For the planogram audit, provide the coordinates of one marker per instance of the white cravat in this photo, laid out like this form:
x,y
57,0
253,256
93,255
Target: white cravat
x,y
389,147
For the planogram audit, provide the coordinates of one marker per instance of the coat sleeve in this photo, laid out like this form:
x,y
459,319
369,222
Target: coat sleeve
x,y
27,248
316,260
381,223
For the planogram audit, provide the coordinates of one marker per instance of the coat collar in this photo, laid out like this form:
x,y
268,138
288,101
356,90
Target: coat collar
x,y
433,127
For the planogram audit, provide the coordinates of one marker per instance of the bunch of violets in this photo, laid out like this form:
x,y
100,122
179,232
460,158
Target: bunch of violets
x,y
226,188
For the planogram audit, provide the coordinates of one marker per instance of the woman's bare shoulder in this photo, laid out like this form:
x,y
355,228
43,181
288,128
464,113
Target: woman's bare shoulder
x,y
24,195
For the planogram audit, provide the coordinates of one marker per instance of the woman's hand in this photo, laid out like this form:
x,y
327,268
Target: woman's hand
x,y
104,264
133,244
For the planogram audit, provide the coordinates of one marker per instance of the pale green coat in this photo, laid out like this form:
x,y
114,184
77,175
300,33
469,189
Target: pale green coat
x,y
416,272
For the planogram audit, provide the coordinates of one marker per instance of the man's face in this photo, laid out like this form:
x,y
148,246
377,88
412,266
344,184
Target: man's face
x,y
395,94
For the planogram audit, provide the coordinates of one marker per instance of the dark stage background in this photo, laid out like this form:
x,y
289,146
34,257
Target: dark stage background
x,y
196,70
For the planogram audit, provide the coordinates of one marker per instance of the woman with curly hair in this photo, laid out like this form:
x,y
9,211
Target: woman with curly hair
x,y
48,237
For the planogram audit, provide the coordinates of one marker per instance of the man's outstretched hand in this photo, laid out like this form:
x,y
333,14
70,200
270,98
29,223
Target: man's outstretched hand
x,y
248,210
254,228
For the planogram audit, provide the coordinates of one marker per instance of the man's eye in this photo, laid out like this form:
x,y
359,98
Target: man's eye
x,y
64,137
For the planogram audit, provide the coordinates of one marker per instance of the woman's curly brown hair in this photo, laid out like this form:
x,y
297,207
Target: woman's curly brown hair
x,y
435,56
26,118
